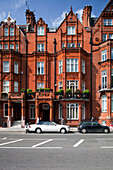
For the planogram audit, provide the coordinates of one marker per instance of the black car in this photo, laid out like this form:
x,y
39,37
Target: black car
x,y
92,126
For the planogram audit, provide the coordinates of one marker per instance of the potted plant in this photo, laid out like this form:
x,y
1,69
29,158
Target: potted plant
x,y
86,93
30,94
22,90
41,89
77,93
68,93
60,92
47,89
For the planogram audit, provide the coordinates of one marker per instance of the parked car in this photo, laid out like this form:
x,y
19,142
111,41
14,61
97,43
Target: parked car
x,y
47,126
92,126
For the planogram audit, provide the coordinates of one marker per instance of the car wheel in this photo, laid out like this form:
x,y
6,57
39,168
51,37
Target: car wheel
x,y
63,130
84,130
38,130
106,130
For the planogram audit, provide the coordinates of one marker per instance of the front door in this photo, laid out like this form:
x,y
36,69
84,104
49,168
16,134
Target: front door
x,y
45,115
17,111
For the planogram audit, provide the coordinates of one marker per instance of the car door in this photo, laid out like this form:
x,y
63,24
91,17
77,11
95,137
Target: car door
x,y
52,127
96,127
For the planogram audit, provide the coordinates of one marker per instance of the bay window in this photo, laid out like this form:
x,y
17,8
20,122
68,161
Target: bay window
x,y
40,67
104,103
72,65
104,79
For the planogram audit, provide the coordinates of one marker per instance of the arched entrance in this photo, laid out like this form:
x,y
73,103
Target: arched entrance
x,y
44,111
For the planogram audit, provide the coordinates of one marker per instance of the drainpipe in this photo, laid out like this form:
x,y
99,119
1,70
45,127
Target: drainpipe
x,y
26,82
55,65
54,73
91,76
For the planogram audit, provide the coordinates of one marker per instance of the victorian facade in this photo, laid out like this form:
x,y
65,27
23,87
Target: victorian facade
x,y
47,73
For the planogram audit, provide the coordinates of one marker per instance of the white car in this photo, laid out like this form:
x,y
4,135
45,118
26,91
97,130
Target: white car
x,y
47,126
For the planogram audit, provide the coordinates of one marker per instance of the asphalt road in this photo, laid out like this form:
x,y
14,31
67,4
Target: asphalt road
x,y
50,151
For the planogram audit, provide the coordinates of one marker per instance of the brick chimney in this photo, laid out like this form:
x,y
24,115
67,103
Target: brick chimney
x,y
86,16
30,18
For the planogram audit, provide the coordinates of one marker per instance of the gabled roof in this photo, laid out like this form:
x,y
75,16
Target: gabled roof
x,y
9,19
66,16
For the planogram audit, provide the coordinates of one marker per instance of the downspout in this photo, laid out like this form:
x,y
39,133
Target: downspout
x,y
91,76
54,75
26,82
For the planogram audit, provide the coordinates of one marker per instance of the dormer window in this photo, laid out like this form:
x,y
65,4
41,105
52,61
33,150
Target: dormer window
x,y
71,30
6,31
11,31
40,30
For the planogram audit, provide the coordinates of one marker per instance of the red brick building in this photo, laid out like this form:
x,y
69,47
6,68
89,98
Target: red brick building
x,y
45,60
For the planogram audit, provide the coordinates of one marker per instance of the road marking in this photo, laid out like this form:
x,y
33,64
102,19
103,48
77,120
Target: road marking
x,y
11,142
30,147
78,143
107,147
42,143
4,138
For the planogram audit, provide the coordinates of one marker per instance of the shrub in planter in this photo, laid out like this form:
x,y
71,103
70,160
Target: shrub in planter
x,y
41,89
86,93
56,92
77,93
22,90
29,91
68,93
60,91
47,89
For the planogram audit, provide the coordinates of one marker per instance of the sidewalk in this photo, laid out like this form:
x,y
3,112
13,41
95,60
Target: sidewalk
x,y
19,129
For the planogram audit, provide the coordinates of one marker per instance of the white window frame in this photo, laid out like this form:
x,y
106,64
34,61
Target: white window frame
x,y
83,66
71,30
104,55
79,44
71,45
72,65
6,46
83,111
16,47
32,112
5,66
63,45
40,85
112,53
112,78
6,31
60,85
104,37
112,103
60,66
5,110
104,103
104,79
6,86
83,86
60,111
15,86
1,46
73,111
11,31
73,85
40,68
40,47
11,46
40,30
15,67
109,22
105,22
110,36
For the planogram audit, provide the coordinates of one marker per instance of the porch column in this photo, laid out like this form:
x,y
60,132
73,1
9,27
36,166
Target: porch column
x,y
37,110
23,110
51,113
9,113
80,112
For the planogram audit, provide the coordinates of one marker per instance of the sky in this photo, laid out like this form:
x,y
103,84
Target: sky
x,y
52,11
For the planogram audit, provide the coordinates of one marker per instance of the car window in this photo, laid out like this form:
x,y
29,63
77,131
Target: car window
x,y
95,123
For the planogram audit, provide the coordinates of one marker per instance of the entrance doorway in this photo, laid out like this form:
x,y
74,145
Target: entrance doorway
x,y
17,111
45,111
